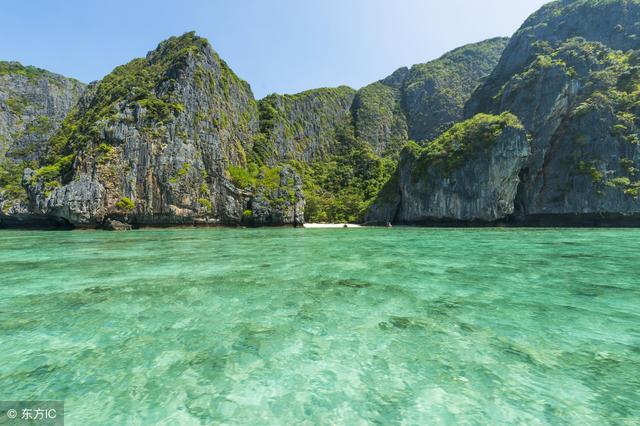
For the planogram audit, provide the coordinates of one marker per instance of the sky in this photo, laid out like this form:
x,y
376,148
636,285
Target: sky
x,y
281,46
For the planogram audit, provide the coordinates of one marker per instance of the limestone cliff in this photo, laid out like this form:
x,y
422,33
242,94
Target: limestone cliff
x,y
154,143
33,103
177,138
571,75
467,175
420,102
417,103
302,126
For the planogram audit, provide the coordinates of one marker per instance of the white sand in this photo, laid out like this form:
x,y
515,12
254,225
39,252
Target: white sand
x,y
330,225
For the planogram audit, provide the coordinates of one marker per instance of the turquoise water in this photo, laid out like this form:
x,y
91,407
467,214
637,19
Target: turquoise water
x,y
290,326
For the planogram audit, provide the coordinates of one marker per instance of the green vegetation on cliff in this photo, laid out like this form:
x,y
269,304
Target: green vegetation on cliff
x,y
253,177
134,85
11,182
459,144
29,114
144,87
606,108
346,146
9,68
421,102
379,119
434,93
301,126
341,188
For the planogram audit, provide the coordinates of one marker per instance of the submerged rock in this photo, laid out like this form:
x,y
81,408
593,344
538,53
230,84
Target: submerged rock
x,y
115,225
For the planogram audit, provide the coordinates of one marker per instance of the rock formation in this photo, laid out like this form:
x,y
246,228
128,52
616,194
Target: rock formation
x,y
467,175
571,75
33,103
541,128
177,138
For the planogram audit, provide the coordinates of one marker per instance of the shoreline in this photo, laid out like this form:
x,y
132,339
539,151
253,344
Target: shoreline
x,y
331,225
557,222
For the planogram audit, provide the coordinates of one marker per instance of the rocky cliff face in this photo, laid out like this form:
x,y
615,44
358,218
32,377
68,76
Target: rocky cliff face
x,y
421,102
301,127
378,115
469,174
570,74
153,143
33,103
177,138
434,94
416,103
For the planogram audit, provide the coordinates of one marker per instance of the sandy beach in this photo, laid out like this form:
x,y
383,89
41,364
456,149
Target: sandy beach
x,y
330,225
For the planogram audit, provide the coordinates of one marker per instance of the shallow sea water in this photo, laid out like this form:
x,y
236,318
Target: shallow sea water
x,y
324,326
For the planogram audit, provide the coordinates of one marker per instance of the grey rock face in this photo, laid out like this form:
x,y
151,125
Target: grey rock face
x,y
33,103
478,187
378,115
157,141
421,102
162,159
284,205
115,225
434,94
79,202
567,75
612,23
161,154
302,126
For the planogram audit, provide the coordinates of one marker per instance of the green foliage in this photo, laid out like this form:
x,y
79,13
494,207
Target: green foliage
x,y
41,126
341,188
379,119
205,204
243,177
17,105
295,120
628,166
104,148
590,168
15,68
160,110
126,204
269,177
619,181
633,189
184,170
255,177
267,113
133,85
629,187
450,150
54,171
434,93
11,182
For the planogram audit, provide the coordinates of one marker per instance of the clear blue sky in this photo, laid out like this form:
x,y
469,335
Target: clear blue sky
x,y
283,46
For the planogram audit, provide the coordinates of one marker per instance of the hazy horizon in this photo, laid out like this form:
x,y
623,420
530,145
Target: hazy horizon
x,y
277,47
